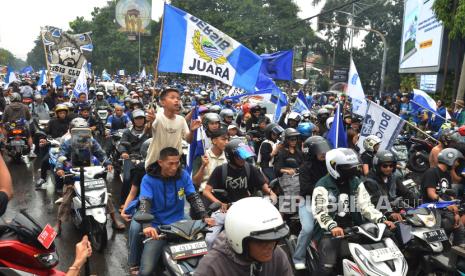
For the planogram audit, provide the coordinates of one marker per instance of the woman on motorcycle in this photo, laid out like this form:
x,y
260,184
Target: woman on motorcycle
x,y
269,149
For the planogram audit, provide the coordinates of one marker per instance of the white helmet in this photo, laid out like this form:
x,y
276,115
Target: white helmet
x,y
294,116
341,162
78,123
100,93
253,218
370,142
329,121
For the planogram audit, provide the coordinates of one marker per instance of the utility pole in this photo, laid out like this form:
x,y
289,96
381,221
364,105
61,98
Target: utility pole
x,y
383,38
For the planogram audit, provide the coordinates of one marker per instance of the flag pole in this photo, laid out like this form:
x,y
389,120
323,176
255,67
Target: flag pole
x,y
437,114
155,70
337,124
46,58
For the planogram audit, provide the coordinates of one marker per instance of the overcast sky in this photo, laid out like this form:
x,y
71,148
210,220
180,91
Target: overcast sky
x,y
22,19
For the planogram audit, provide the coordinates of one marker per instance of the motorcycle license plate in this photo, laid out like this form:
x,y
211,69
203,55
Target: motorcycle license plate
x,y
435,236
384,254
94,184
187,250
17,143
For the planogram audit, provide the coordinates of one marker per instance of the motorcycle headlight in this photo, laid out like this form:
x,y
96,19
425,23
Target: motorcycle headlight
x,y
48,260
96,200
428,220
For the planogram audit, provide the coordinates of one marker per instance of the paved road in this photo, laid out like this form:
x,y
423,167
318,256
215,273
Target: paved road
x,y
40,204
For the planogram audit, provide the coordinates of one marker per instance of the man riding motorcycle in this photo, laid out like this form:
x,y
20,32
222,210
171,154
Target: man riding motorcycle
x,y
16,111
384,186
118,120
100,102
341,188
371,146
67,150
227,117
248,246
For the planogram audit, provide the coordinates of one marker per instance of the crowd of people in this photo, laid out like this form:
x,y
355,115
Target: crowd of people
x,y
242,152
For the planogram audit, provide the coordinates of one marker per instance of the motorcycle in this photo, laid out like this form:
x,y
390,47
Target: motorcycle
x,y
20,251
186,243
102,116
424,243
16,144
374,253
96,202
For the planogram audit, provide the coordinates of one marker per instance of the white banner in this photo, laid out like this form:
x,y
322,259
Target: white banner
x,y
355,91
382,123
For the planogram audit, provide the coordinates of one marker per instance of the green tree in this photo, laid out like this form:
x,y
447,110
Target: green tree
x,y
36,57
7,58
452,15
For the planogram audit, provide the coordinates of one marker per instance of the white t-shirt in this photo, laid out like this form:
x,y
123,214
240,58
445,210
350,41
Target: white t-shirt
x,y
166,133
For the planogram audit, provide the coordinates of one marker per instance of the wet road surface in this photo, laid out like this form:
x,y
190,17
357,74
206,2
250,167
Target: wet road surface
x,y
40,205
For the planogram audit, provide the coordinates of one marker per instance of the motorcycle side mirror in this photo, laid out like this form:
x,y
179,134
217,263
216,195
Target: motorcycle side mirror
x,y
143,217
273,183
62,159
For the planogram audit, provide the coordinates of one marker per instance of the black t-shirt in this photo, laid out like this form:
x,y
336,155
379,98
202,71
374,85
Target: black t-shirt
x,y
137,173
367,158
435,178
3,203
237,184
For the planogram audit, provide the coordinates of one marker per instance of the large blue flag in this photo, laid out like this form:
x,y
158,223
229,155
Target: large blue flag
x,y
277,96
42,80
300,104
421,100
190,45
337,136
196,148
58,82
277,66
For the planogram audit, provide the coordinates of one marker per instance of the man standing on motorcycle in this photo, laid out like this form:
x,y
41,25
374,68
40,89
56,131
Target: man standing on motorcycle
x,y
333,197
162,194
248,246
66,150
384,186
16,111
131,142
436,184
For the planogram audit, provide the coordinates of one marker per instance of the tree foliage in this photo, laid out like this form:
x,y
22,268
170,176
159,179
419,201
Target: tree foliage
x,y
452,15
7,58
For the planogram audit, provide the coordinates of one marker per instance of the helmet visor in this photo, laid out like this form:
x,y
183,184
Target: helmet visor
x,y
244,152
272,234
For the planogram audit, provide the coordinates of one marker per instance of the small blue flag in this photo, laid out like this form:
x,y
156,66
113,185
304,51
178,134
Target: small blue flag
x,y
277,66
300,104
58,82
196,147
26,70
337,136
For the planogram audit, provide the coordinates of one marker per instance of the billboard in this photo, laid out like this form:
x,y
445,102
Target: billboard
x,y
134,16
421,38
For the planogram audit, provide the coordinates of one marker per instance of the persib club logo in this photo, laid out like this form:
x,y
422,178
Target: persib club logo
x,y
354,79
206,50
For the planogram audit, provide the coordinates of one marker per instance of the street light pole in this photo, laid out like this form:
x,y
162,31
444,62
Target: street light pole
x,y
383,38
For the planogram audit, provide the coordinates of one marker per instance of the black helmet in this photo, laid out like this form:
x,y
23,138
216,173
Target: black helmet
x,y
383,157
237,148
273,128
448,136
314,146
210,118
290,132
215,109
255,108
448,156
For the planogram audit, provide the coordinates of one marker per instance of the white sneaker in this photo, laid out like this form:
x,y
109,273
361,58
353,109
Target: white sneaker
x,y
299,266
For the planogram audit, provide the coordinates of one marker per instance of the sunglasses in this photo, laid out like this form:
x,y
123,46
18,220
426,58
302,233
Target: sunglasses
x,y
388,166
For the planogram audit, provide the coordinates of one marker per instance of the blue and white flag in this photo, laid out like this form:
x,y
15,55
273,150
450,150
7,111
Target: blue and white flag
x,y
278,66
42,79
300,104
10,77
81,83
26,70
256,96
143,75
196,147
421,100
189,45
355,91
277,96
337,136
105,75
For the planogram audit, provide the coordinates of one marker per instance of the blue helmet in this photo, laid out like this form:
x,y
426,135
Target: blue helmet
x,y
305,129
